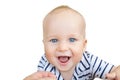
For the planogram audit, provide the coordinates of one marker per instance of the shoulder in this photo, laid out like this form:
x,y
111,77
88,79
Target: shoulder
x,y
85,62
44,64
87,56
98,66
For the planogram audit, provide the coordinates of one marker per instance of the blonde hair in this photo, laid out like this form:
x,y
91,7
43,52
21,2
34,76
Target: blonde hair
x,y
63,8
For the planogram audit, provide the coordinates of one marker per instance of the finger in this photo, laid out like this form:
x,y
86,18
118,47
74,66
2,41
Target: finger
x,y
111,75
33,76
51,75
40,74
36,75
47,78
45,74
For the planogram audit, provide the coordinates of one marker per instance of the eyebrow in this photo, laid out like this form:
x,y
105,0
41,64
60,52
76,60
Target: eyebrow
x,y
70,35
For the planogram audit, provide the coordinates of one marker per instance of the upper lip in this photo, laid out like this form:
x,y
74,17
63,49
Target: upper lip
x,y
64,56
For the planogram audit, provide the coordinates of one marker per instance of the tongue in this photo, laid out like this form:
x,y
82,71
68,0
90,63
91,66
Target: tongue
x,y
63,59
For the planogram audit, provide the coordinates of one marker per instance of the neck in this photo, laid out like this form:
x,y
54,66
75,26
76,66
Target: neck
x,y
67,75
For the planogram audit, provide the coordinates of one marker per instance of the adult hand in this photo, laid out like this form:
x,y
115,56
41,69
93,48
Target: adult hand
x,y
41,75
114,74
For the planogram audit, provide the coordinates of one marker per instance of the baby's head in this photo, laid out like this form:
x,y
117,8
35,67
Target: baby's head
x,y
64,37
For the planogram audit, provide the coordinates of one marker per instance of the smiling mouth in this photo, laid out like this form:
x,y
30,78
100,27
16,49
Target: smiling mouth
x,y
63,59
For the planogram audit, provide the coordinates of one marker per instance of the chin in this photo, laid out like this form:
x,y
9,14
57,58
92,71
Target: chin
x,y
65,69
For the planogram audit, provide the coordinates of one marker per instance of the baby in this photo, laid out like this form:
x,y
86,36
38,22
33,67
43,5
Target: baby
x,y
65,56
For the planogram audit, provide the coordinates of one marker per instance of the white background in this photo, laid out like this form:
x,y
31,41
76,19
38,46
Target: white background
x,y
21,32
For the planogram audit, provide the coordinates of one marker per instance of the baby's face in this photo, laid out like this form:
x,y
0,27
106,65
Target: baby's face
x,y
64,40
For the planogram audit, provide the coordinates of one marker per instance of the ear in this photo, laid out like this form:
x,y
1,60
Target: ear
x,y
43,41
85,44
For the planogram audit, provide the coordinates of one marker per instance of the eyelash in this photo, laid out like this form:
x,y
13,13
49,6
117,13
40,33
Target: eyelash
x,y
53,40
70,40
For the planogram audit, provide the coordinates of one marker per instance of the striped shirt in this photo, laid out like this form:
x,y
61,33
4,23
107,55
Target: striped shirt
x,y
88,68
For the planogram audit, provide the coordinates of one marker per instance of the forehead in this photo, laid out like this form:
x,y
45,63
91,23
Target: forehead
x,y
63,19
63,15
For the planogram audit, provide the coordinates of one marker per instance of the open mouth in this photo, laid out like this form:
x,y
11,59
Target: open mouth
x,y
63,59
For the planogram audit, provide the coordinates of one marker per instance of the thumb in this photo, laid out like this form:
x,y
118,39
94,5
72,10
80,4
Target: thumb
x,y
111,75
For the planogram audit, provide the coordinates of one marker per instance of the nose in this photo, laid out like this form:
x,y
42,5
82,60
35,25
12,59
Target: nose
x,y
63,46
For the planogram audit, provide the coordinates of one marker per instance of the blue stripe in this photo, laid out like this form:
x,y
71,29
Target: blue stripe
x,y
41,62
88,68
40,66
91,58
52,69
75,77
59,76
43,59
55,70
97,68
103,71
95,61
86,59
47,66
84,75
83,64
76,70
111,68
80,69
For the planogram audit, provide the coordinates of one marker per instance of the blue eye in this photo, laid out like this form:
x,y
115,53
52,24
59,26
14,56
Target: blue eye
x,y
53,40
72,39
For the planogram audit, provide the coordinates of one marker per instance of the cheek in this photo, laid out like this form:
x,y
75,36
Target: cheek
x,y
49,52
78,53
48,49
78,56
49,56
